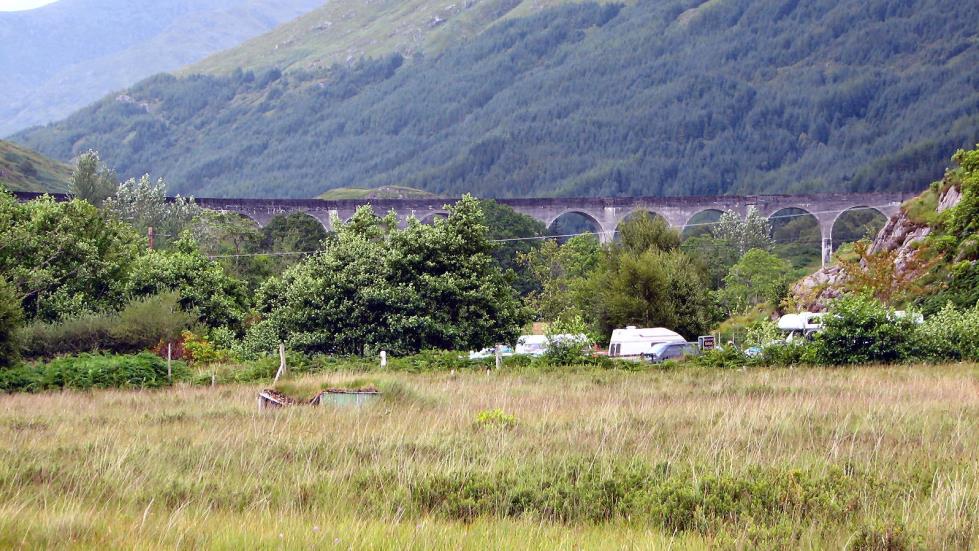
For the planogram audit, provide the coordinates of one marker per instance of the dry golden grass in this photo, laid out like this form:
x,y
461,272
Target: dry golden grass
x,y
201,467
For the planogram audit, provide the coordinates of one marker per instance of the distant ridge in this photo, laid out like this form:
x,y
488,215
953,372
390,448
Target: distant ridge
x,y
24,170
63,56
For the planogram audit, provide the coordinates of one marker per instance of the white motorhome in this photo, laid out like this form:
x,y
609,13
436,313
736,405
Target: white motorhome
x,y
633,342
800,325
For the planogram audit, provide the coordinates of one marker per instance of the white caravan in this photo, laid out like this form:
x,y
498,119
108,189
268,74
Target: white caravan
x,y
633,342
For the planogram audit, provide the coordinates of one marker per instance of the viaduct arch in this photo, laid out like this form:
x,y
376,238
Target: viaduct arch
x,y
606,212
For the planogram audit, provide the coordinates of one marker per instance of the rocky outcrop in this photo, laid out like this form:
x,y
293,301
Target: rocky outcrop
x,y
899,234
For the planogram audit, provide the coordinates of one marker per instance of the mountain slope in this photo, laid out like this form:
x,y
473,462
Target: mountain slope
x,y
24,170
669,97
343,31
63,56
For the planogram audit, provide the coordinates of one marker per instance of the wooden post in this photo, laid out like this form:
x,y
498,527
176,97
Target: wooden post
x,y
282,362
169,360
499,356
150,237
384,359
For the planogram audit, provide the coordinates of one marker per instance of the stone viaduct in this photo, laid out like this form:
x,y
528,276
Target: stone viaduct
x,y
606,213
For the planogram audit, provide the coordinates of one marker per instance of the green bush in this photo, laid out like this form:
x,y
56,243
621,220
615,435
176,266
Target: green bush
x,y
726,357
85,333
787,354
10,318
87,371
949,334
146,321
435,360
495,418
20,379
139,326
859,329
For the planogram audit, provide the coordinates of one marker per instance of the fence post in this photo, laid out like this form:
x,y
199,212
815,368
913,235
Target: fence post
x,y
499,356
282,362
169,360
384,359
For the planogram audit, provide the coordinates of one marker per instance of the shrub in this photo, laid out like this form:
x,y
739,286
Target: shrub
x,y
10,318
139,326
85,333
20,379
950,334
788,353
577,490
200,350
435,360
86,371
859,329
729,357
147,321
567,343
495,418
884,537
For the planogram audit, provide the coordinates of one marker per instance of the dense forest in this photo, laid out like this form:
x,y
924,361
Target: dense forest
x,y
674,97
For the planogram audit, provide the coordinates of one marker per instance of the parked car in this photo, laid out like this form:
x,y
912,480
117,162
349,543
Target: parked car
x,y
663,351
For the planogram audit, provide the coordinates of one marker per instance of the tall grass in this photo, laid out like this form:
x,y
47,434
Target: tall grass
x,y
811,459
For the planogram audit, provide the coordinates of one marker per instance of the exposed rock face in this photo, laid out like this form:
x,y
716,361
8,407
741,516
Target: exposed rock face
x,y
899,234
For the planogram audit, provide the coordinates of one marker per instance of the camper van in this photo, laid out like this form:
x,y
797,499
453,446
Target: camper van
x,y
801,325
633,342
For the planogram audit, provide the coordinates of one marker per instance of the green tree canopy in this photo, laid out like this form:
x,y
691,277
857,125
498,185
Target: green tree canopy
x,y
91,180
378,286
757,278
202,284
143,204
10,319
64,258
560,271
504,223
753,231
653,288
643,231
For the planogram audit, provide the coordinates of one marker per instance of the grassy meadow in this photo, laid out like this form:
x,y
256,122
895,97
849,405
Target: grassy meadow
x,y
861,458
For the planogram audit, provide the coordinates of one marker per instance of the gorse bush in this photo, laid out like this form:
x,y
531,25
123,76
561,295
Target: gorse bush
x,y
140,325
87,371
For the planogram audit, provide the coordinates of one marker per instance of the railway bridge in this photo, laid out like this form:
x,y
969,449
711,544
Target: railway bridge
x,y
605,213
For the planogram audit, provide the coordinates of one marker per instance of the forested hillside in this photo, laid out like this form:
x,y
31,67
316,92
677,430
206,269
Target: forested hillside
x,y
344,31
65,55
669,97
